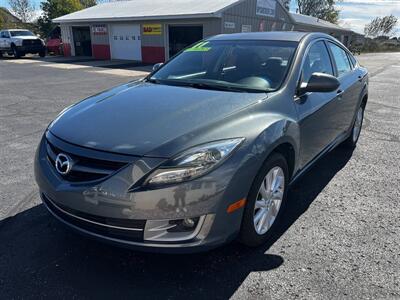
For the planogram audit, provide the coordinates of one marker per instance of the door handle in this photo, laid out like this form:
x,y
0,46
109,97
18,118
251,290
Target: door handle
x,y
339,94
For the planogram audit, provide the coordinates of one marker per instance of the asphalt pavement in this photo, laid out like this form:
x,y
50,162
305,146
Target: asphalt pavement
x,y
340,240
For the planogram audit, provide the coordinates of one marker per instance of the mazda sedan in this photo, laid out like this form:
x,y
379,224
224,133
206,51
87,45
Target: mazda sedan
x,y
203,150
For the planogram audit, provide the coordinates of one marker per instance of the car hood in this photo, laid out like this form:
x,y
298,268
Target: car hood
x,y
20,37
139,117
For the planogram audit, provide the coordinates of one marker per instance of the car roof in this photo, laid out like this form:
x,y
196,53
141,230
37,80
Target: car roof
x,y
292,36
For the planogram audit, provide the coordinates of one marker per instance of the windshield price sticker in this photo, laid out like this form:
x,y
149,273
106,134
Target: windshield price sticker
x,y
200,47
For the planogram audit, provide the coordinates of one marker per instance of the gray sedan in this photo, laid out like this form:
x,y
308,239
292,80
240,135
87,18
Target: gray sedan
x,y
204,149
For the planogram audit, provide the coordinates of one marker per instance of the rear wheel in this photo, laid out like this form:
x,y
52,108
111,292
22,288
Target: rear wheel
x,y
42,53
265,202
352,140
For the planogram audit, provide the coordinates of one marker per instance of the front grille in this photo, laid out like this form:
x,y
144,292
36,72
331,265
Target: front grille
x,y
31,42
84,168
124,229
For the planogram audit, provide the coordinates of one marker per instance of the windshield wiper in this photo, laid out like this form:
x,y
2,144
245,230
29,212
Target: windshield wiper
x,y
206,86
153,80
213,86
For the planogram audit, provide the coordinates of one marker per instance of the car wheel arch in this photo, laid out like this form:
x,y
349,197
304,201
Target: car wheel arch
x,y
284,144
364,100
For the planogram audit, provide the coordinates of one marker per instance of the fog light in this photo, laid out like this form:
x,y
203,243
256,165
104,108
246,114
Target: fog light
x,y
173,230
183,225
189,222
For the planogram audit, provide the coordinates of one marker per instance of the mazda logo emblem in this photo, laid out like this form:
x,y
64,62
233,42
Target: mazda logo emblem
x,y
63,164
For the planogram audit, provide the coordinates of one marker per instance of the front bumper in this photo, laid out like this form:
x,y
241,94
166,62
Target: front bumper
x,y
31,48
83,205
132,239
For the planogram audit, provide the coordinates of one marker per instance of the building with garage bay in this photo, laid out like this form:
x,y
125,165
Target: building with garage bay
x,y
153,31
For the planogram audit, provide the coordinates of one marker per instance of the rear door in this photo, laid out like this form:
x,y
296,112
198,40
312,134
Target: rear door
x,y
4,39
6,44
350,85
317,111
1,40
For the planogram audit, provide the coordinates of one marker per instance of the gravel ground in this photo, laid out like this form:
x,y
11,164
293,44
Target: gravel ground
x,y
340,238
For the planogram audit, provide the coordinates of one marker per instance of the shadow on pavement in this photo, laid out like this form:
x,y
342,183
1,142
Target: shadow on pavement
x,y
41,258
83,60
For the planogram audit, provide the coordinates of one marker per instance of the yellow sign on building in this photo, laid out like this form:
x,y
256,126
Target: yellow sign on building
x,y
152,29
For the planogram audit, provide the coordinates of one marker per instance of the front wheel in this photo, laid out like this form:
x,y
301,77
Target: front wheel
x,y
15,52
352,140
266,202
42,53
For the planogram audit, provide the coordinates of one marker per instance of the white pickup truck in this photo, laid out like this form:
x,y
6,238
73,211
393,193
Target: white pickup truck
x,y
18,42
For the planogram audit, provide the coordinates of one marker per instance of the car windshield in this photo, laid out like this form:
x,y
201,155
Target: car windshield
x,y
251,66
21,33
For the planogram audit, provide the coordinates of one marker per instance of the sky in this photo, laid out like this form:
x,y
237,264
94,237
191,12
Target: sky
x,y
354,13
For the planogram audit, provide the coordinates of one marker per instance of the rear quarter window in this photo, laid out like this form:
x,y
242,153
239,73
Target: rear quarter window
x,y
341,59
352,60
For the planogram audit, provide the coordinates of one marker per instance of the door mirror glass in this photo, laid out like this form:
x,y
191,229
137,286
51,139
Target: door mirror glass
x,y
157,66
320,83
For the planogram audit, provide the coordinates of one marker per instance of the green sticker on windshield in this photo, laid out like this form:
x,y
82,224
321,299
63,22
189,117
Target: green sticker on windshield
x,y
200,47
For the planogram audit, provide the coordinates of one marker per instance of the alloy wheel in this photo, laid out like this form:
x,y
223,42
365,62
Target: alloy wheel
x,y
358,124
269,200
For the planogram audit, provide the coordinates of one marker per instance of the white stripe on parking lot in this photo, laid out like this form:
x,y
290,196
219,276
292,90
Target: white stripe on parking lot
x,y
22,61
65,66
120,72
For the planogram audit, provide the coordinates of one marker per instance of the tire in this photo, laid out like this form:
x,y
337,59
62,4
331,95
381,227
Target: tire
x,y
15,52
249,235
1,54
42,53
351,141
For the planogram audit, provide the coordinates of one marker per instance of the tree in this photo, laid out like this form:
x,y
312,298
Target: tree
x,y
88,3
1,18
23,9
322,9
286,4
56,8
381,26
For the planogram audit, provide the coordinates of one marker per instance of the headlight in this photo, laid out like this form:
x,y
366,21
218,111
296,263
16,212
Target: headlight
x,y
193,163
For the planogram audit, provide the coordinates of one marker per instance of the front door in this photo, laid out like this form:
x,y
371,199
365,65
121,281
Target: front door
x,y
319,123
82,41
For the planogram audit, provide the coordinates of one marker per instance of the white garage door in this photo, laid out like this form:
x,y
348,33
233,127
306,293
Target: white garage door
x,y
125,42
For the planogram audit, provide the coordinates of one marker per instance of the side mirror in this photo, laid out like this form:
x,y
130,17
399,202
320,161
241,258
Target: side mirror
x,y
320,83
157,66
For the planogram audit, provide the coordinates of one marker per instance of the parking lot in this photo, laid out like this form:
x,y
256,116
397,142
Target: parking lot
x,y
340,238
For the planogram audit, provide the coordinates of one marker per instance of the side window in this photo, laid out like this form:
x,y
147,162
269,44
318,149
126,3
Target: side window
x,y
317,60
341,59
353,60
